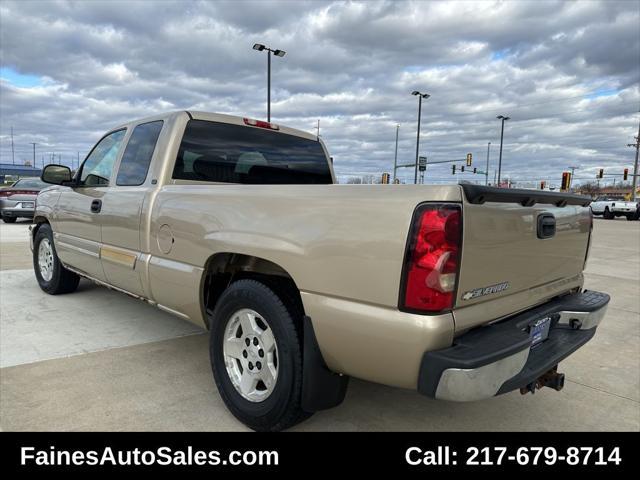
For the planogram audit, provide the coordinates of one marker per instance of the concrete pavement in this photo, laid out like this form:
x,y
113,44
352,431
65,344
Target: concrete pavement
x,y
98,360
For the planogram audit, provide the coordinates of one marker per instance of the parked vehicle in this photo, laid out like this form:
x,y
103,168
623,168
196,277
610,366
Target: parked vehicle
x,y
18,200
460,292
610,208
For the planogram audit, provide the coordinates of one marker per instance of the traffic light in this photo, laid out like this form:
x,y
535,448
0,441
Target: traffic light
x,y
385,178
453,169
474,169
469,157
566,177
601,173
462,168
625,175
542,185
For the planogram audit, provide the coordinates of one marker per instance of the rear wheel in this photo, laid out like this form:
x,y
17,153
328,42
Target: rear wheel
x,y
52,277
631,216
256,357
9,219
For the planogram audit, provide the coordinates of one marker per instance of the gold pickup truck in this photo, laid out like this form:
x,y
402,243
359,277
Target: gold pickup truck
x,y
461,292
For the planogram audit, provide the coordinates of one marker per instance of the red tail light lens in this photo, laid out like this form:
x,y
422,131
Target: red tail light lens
x,y
433,256
8,193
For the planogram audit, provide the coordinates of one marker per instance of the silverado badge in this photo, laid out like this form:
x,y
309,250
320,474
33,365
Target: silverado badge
x,y
479,292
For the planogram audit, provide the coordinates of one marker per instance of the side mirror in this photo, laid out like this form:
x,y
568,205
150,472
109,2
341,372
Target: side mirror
x,y
56,174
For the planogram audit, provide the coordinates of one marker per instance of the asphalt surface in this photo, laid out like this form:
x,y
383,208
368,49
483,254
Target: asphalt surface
x,y
99,360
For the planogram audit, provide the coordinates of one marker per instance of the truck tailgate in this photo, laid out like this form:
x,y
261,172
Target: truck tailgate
x,y
506,266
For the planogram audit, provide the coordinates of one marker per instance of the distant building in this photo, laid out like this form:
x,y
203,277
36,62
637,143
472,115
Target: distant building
x,y
16,171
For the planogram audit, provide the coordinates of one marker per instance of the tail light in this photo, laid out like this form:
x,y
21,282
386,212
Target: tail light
x,y
260,124
432,258
8,193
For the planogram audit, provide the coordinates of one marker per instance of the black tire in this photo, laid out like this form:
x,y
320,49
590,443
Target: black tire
x,y
62,280
9,219
630,216
282,408
607,214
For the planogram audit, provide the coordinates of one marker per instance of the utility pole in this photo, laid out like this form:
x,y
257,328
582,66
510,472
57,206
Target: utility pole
x,y
634,179
34,154
318,129
486,170
13,153
395,158
79,159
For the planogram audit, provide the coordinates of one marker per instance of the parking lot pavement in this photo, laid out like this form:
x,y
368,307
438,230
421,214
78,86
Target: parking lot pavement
x,y
145,370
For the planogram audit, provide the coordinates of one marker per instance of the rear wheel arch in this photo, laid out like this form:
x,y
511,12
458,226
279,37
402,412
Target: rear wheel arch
x,y
223,269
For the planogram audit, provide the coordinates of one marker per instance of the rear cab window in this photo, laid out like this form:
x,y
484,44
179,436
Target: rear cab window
x,y
138,153
227,153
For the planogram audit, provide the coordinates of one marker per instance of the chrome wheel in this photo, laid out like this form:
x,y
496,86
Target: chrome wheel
x,y
250,355
45,259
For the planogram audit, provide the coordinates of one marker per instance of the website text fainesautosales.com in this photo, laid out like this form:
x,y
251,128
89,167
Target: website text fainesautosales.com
x,y
160,456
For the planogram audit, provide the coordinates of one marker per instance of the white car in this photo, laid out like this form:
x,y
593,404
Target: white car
x,y
610,208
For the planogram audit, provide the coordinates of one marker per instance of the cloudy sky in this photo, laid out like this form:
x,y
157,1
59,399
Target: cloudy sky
x,y
567,73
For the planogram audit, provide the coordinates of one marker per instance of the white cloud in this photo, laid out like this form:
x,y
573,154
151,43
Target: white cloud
x,y
567,73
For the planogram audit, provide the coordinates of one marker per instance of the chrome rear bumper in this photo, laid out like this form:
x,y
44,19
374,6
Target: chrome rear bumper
x,y
499,358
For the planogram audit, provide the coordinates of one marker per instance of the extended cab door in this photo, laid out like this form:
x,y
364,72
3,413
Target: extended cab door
x,y
122,206
77,215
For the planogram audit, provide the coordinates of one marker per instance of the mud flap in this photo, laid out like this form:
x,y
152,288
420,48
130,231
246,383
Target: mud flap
x,y
321,388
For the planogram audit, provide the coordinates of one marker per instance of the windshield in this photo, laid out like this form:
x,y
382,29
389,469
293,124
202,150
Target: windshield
x,y
221,152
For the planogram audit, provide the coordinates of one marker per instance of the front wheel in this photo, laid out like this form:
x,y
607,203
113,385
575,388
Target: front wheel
x,y
256,357
52,277
607,214
9,219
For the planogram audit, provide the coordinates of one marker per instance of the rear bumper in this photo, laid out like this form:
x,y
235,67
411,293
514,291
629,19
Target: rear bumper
x,y
17,212
498,358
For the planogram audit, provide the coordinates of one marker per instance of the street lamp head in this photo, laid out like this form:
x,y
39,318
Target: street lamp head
x,y
425,95
415,92
502,117
279,53
258,46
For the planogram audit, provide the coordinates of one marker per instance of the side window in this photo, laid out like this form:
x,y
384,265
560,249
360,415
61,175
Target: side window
x,y
97,168
137,155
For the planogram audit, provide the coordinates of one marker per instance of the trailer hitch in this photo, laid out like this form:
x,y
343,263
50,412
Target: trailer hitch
x,y
551,379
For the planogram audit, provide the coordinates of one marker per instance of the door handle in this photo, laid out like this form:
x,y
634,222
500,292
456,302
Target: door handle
x,y
96,206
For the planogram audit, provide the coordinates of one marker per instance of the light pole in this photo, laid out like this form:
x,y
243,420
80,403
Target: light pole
x,y
486,170
395,158
34,153
503,118
420,97
277,53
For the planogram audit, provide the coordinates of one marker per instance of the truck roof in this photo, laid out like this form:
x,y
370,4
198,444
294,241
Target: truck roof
x,y
216,117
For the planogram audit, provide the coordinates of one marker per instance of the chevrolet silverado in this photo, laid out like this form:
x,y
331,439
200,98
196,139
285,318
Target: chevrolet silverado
x,y
461,292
